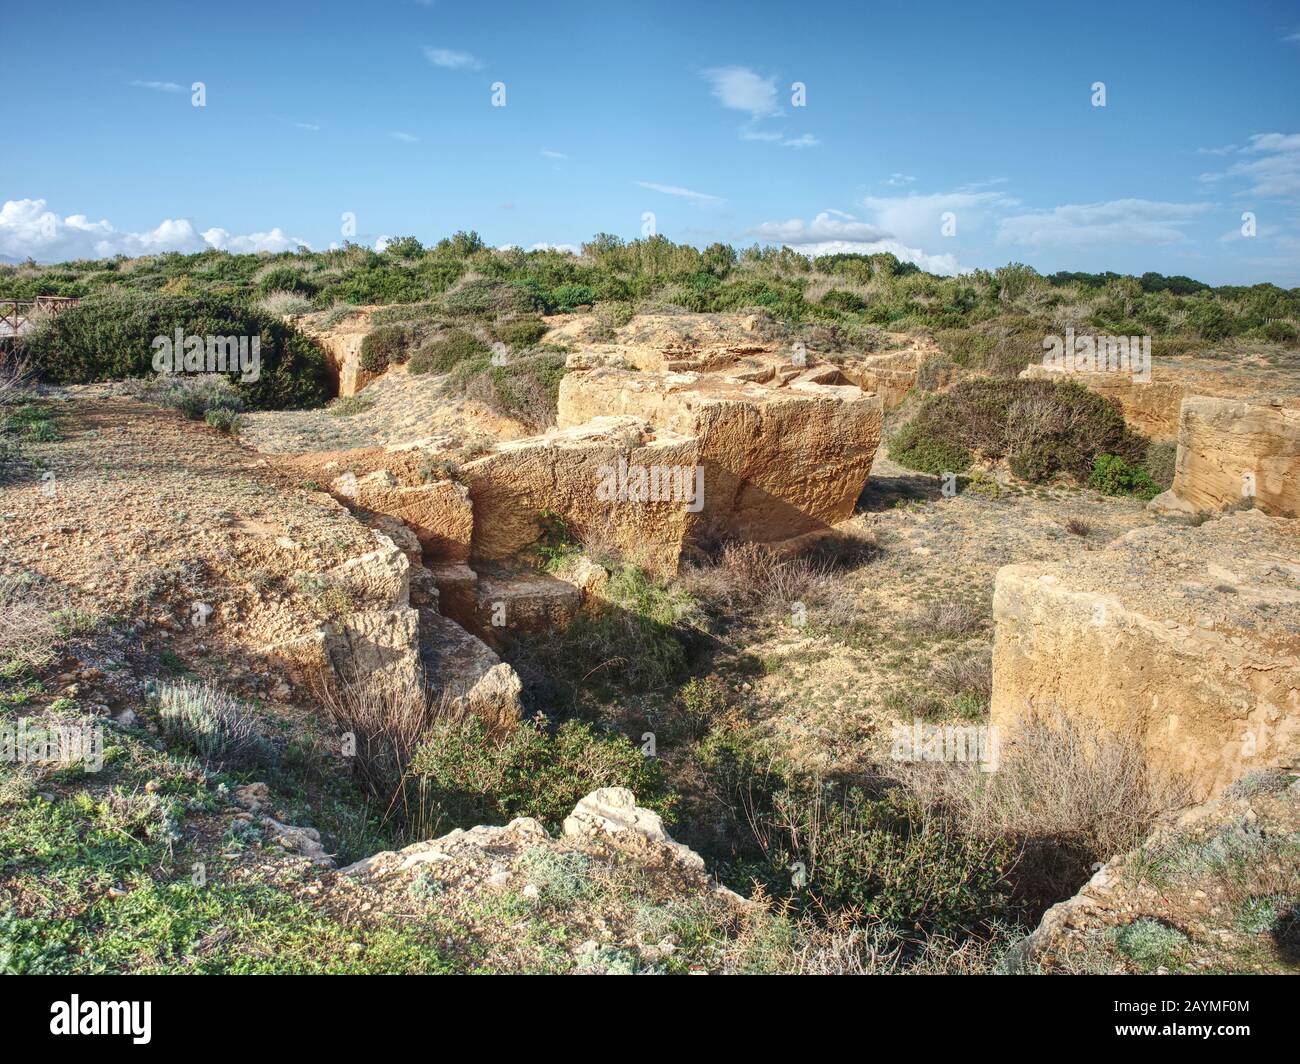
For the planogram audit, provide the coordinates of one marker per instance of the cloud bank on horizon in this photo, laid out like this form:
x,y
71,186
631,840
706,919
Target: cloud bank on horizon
x,y
29,230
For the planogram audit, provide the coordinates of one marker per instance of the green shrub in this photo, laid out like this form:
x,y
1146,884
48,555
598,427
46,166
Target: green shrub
x,y
109,336
841,300
528,389
890,860
1041,427
914,447
1210,320
213,724
490,300
42,431
569,296
444,352
637,641
464,776
1279,332
1149,943
286,279
384,346
227,421
520,332
561,878
194,396
1111,475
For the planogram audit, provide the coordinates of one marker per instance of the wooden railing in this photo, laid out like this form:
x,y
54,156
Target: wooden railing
x,y
16,314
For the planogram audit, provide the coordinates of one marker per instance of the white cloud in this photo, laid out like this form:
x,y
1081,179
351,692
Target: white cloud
x,y
311,127
1270,163
805,141
450,59
945,264
917,219
27,229
827,235
895,180
405,138
701,198
572,249
159,86
740,89
822,228
1124,221
275,240
553,154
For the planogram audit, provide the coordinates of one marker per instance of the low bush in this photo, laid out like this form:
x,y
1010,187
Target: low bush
x,y
1042,428
915,446
488,300
195,396
1111,475
519,333
528,388
286,279
385,346
227,421
887,860
1066,795
462,775
567,297
447,350
636,641
285,304
216,726
109,336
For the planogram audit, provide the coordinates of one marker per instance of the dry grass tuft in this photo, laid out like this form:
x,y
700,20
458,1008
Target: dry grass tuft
x,y
951,619
28,631
1070,797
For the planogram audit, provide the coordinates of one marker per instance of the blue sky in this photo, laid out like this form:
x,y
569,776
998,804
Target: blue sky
x,y
915,114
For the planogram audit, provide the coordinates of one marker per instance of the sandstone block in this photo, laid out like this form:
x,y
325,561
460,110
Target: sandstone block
x,y
568,473
779,461
1185,638
1232,452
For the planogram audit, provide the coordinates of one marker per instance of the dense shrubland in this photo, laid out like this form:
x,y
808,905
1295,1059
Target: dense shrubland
x,y
109,336
982,318
451,305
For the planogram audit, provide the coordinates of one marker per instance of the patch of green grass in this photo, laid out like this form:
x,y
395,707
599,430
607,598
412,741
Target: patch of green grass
x,y
561,878
1150,944
349,405
1260,914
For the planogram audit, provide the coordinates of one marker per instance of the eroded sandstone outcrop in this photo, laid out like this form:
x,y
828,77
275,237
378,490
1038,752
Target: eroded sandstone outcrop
x,y
438,512
1237,453
1185,638
779,462
341,343
606,817
589,476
